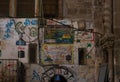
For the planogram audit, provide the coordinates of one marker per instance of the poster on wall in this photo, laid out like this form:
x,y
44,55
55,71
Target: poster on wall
x,y
57,54
58,34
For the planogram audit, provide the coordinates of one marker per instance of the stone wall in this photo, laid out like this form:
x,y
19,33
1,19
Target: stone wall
x,y
81,14
116,15
80,9
12,28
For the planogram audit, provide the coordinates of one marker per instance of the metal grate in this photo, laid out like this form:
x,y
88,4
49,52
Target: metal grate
x,y
8,70
25,8
4,8
50,8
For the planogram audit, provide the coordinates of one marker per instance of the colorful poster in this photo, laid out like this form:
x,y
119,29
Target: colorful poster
x,y
58,34
57,54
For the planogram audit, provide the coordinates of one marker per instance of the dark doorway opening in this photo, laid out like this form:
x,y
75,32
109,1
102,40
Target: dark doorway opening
x,y
32,53
58,78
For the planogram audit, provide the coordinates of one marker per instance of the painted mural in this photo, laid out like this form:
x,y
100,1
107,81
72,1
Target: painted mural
x,y
28,28
37,73
15,32
9,27
57,54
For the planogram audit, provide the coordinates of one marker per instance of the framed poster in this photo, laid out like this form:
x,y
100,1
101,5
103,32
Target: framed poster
x,y
58,34
57,54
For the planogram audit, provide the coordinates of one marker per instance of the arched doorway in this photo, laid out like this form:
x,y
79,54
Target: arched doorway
x,y
59,74
58,78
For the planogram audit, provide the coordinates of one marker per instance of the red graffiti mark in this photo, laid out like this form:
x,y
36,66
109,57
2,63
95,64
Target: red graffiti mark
x,y
21,48
45,47
8,66
84,34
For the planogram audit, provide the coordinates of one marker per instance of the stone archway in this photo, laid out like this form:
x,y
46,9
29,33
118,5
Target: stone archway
x,y
59,74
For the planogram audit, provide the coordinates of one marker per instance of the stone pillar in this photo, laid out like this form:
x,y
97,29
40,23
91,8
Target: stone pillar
x,y
41,12
108,43
12,8
108,16
36,8
111,64
60,7
108,32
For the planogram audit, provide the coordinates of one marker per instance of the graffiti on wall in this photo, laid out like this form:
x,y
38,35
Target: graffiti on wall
x,y
11,31
85,36
37,73
8,70
6,28
36,76
57,54
25,26
34,73
59,73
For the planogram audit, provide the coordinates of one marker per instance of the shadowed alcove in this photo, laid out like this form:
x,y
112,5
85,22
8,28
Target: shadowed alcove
x,y
58,78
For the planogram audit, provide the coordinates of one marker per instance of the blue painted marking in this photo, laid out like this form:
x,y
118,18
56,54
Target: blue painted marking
x,y
21,42
34,22
27,22
36,75
7,36
7,30
11,23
